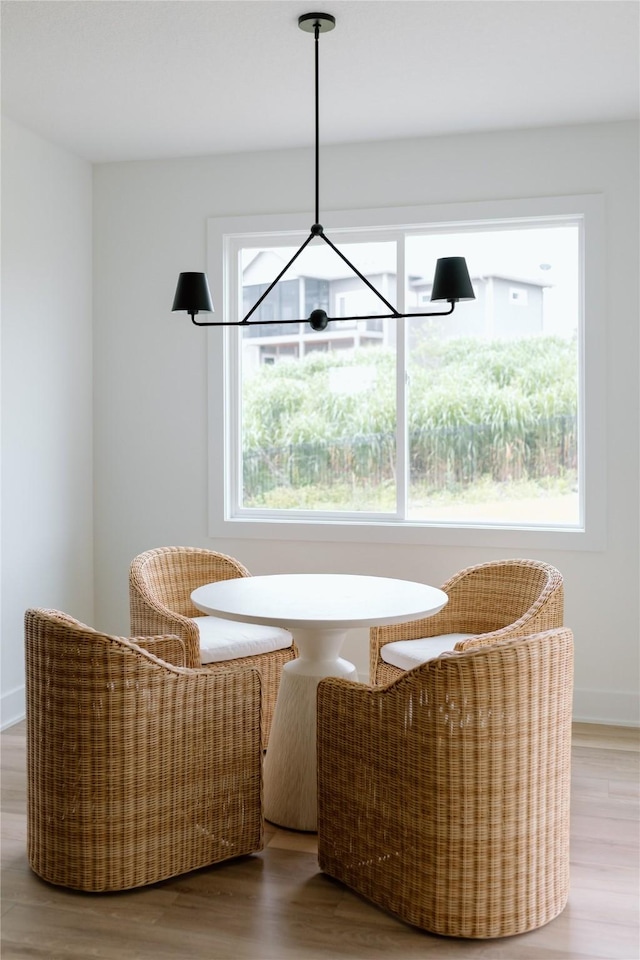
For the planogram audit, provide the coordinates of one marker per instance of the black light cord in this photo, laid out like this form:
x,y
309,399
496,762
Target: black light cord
x,y
316,33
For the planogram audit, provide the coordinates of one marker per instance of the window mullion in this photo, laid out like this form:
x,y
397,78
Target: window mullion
x,y
402,445
233,445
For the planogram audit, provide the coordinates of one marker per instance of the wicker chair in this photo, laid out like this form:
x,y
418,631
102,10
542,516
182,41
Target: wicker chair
x,y
444,796
160,585
487,603
136,770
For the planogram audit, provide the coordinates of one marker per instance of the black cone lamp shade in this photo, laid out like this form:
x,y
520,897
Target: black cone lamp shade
x,y
193,294
451,281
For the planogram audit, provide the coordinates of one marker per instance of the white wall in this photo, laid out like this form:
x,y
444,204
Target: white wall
x,y
150,371
47,403
150,365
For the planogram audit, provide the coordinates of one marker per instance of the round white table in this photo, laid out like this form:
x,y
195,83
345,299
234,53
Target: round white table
x,y
318,608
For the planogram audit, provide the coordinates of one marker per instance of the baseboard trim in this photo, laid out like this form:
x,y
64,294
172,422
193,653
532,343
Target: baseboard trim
x,y
12,707
604,706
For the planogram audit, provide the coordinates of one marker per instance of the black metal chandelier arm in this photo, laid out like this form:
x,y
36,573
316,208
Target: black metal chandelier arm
x,y
389,306
435,313
241,323
266,293
391,316
371,316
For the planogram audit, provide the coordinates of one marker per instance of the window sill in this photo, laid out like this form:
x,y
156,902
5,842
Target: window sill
x,y
444,535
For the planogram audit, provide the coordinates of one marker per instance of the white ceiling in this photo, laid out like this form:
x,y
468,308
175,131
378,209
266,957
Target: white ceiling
x,y
137,79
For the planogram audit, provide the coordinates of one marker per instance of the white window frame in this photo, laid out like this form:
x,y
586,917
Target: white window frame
x,y
223,387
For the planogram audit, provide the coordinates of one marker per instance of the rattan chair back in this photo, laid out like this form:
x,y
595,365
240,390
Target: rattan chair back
x,y
170,574
491,601
444,796
137,770
160,585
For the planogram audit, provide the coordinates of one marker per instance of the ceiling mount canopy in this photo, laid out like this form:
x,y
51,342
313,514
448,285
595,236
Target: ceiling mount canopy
x,y
322,22
451,281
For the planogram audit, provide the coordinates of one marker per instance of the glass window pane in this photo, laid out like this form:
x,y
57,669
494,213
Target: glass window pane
x,y
493,395
318,408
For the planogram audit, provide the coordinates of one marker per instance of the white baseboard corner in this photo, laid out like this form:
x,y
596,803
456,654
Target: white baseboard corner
x,y
12,707
604,706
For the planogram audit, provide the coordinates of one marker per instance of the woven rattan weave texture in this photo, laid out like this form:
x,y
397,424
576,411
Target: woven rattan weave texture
x,y
444,796
494,601
136,770
160,585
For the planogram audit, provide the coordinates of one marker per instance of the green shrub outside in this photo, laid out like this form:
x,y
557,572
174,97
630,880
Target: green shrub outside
x,y
498,410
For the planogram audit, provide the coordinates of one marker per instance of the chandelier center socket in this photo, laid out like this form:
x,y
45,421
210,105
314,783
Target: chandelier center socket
x,y
323,21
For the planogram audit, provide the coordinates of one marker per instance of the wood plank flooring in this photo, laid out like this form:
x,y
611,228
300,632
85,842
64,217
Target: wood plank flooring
x,y
276,905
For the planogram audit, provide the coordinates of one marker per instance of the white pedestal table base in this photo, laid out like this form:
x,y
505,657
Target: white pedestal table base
x,y
290,784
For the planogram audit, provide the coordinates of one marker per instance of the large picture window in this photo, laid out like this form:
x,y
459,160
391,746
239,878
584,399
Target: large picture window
x,y
472,421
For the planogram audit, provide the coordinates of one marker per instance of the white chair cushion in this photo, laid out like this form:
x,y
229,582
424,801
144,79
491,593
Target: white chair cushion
x,y
407,654
229,639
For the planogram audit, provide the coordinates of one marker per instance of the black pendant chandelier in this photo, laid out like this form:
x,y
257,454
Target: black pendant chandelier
x,y
451,281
